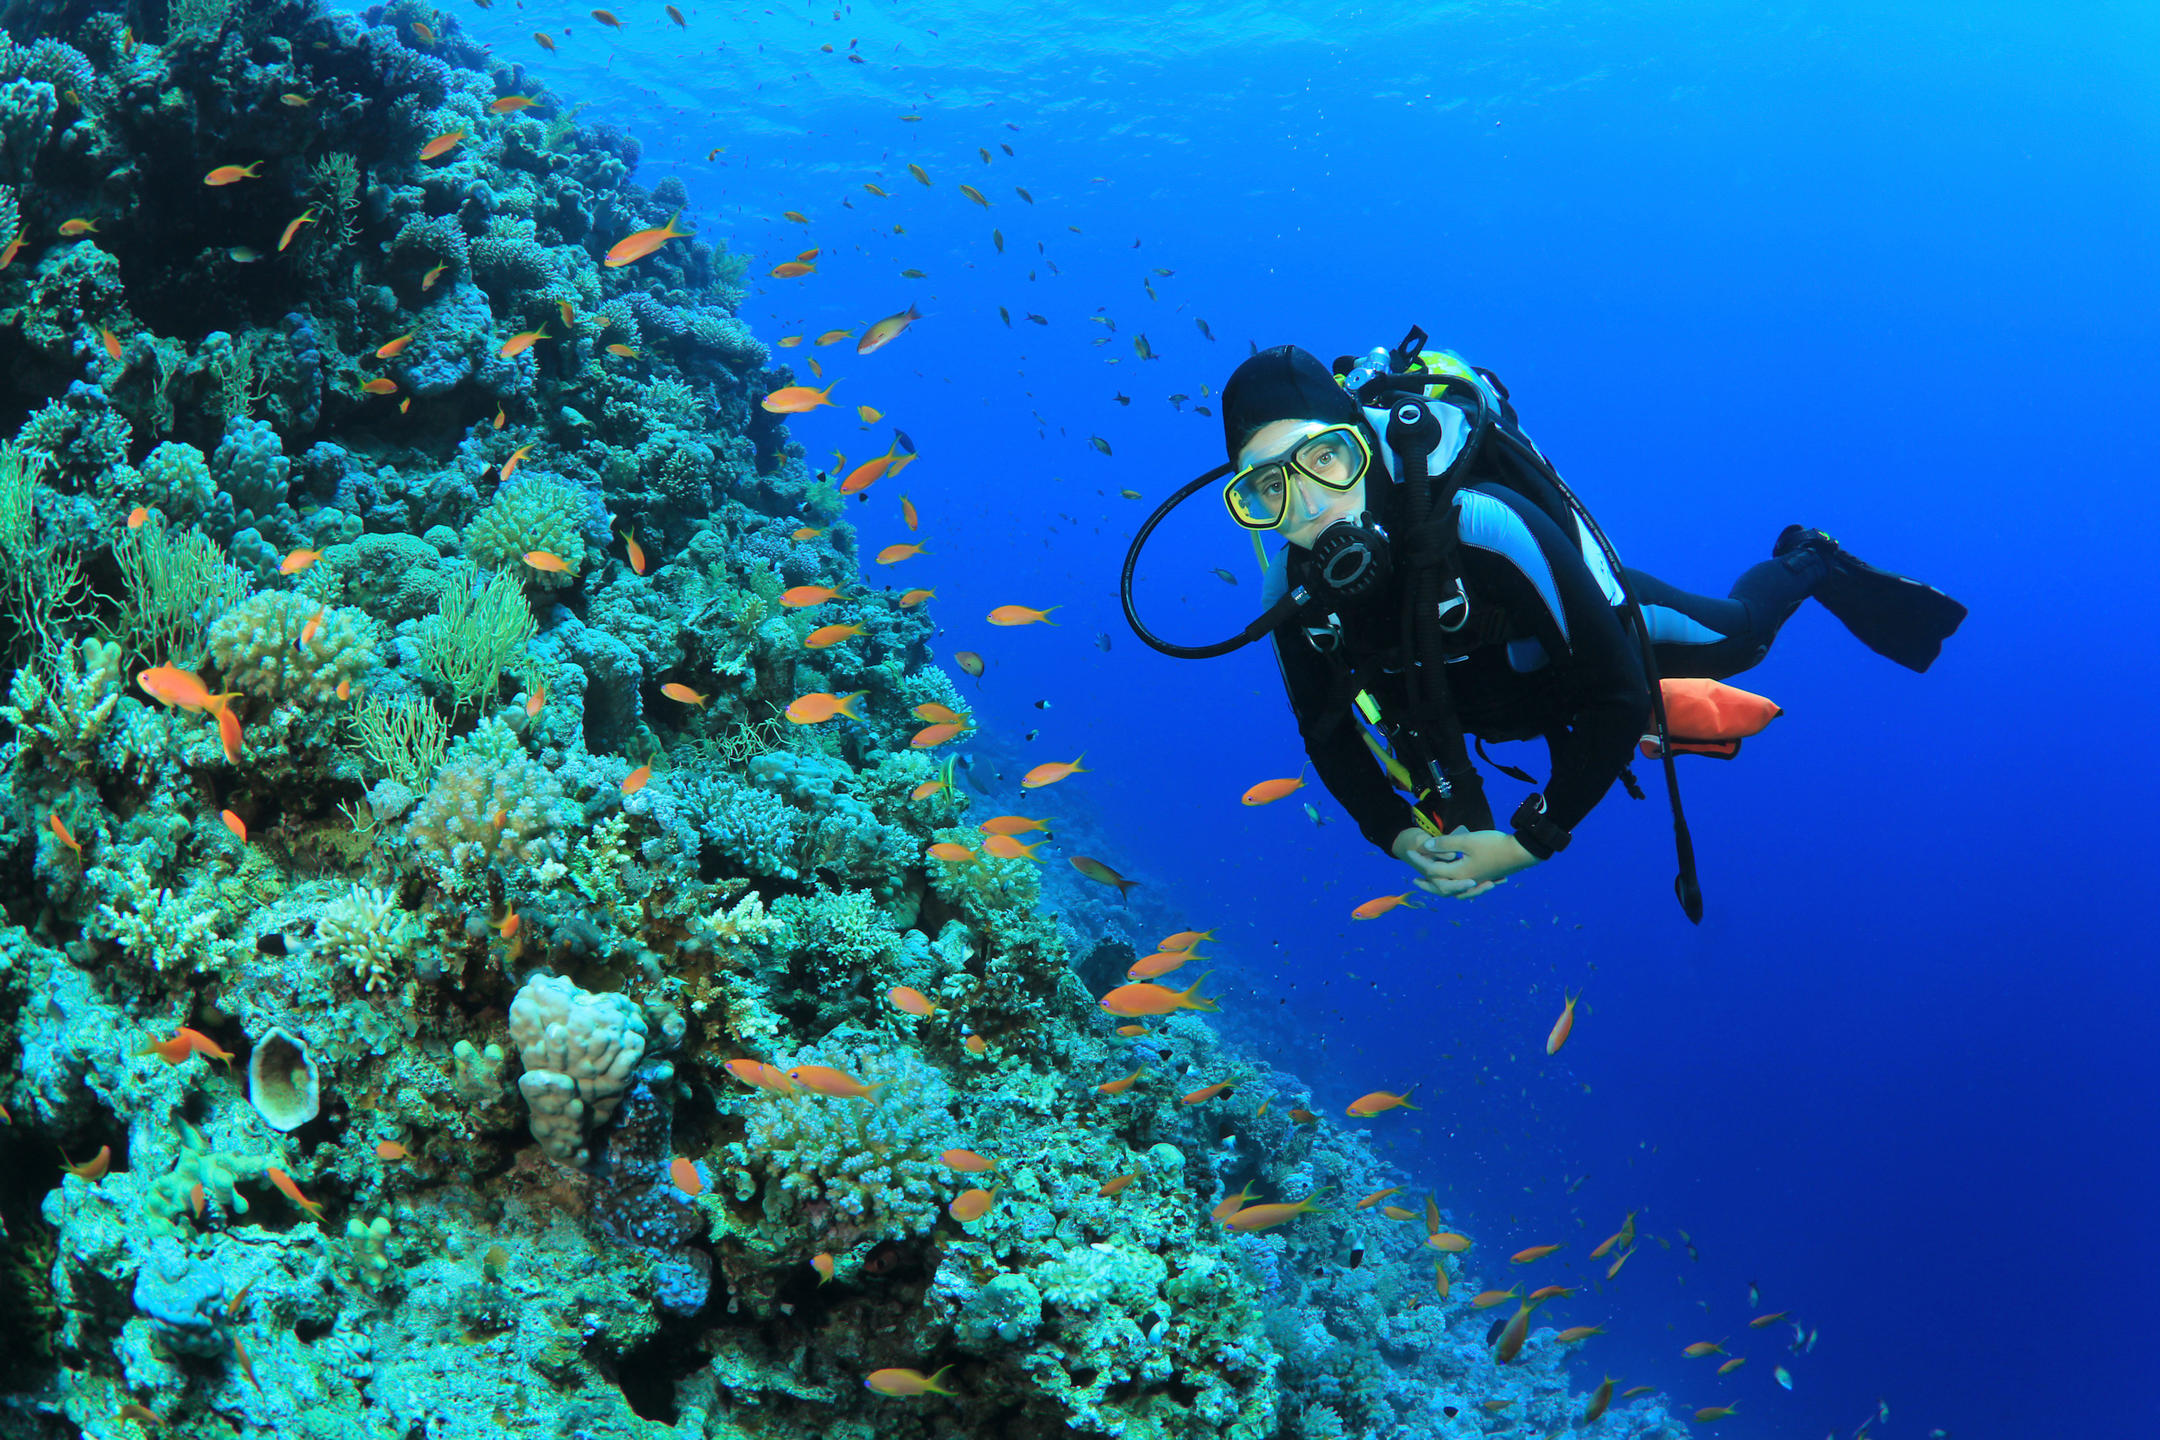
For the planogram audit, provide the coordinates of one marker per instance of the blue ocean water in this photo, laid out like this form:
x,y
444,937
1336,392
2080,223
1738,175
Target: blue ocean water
x,y
1884,270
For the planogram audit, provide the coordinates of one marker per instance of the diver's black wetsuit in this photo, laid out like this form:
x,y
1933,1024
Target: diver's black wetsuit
x,y
1556,662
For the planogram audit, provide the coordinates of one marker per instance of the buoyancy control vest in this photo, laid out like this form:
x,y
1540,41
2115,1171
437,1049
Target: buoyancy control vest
x,y
1447,426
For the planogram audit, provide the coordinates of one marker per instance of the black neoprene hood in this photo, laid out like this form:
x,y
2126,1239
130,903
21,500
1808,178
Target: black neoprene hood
x,y
1283,383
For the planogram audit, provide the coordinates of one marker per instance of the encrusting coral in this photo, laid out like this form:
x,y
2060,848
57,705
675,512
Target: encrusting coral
x,y
616,1059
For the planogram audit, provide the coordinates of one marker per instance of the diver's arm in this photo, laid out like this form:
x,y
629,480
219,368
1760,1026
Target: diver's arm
x,y
1338,753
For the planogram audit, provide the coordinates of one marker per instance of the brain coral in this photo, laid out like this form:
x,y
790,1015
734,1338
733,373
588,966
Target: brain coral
x,y
259,650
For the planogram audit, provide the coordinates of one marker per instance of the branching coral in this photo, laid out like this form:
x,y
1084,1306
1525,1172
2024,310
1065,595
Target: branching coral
x,y
280,645
65,707
490,802
365,931
174,583
840,1171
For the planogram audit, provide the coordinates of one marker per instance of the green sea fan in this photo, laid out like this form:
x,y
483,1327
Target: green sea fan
x,y
480,631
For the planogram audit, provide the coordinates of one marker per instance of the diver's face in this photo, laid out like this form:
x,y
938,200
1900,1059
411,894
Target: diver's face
x,y
1311,508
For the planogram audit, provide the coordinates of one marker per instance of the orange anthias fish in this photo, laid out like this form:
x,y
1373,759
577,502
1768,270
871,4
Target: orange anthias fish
x,y
228,726
512,103
623,352
1205,1093
972,1205
823,1264
912,1382
863,476
1376,1197
391,1150
1486,1299
183,1043
305,217
1704,1347
792,270
517,458
635,551
635,780
894,554
925,790
1563,1027
78,226
607,18
820,706
996,824
967,1160
543,41
138,517
1534,1253
1714,1412
795,399
442,144
1510,1343
1151,967
14,247
285,1185
546,560
170,685
112,342
805,532
675,691
802,597
910,1001
760,1075
1269,791
1374,909
1102,875
838,1084
1230,1204
233,174
641,244
61,832
519,343
1115,1186
380,385
952,854
1006,847
676,16
1052,771
887,330
931,736
1131,1001
235,824
869,415
298,561
826,636
93,1169
1366,1106
830,337
391,349
1119,1087
913,598
969,661
537,699
907,513
1267,1217
685,1175
1021,615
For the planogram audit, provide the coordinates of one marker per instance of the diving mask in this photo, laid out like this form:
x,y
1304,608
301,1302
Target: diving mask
x,y
1334,458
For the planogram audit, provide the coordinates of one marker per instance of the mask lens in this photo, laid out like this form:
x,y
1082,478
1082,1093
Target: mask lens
x,y
1333,458
1256,496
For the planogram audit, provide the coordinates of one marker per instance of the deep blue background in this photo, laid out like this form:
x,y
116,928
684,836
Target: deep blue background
x,y
1889,274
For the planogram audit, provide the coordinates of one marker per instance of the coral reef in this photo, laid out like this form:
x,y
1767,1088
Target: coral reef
x,y
426,985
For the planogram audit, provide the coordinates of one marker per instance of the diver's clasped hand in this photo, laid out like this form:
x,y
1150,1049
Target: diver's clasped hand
x,y
1464,864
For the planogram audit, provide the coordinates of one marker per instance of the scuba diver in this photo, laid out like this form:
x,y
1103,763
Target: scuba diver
x,y
1439,581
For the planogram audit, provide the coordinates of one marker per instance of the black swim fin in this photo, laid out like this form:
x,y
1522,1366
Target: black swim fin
x,y
1893,615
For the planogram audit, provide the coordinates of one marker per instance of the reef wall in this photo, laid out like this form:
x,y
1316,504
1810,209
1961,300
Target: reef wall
x,y
398,982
